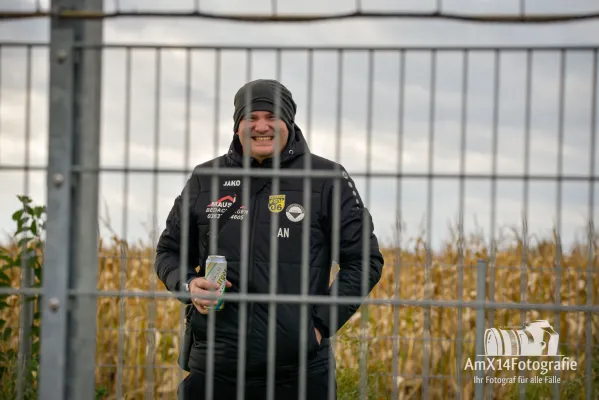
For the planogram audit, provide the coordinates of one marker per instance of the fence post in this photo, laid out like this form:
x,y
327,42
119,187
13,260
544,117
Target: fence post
x,y
481,285
84,267
68,331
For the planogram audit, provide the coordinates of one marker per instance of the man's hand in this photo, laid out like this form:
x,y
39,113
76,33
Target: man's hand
x,y
202,287
318,336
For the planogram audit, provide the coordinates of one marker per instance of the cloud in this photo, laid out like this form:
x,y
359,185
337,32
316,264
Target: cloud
x,y
162,133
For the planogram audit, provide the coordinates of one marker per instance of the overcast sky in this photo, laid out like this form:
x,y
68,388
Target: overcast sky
x,y
211,112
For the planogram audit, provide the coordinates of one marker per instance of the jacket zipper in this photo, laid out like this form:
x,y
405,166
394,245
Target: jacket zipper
x,y
251,257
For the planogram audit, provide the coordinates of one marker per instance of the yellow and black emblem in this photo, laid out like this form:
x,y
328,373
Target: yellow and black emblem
x,y
276,203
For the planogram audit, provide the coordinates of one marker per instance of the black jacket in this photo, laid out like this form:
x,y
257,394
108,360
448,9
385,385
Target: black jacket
x,y
349,279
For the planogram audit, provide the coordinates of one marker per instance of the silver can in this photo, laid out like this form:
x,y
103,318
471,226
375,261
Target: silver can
x,y
216,272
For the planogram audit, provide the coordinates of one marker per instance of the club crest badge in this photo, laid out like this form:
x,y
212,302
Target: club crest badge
x,y
276,203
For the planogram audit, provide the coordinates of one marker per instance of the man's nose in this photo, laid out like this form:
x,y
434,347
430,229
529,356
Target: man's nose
x,y
261,126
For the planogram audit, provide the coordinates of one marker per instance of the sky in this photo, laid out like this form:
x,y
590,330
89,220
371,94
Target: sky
x,y
214,79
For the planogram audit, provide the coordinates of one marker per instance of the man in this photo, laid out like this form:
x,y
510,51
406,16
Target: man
x,y
256,136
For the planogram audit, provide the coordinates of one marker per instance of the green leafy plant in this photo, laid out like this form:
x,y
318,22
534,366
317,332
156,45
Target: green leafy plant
x,y
349,382
25,251
576,387
570,389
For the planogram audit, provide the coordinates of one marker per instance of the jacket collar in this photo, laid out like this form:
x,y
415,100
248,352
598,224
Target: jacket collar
x,y
295,147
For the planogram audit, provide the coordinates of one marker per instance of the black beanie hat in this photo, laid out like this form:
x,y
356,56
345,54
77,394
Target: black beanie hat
x,y
262,96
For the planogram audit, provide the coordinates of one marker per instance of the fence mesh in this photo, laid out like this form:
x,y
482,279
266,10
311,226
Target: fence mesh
x,y
476,162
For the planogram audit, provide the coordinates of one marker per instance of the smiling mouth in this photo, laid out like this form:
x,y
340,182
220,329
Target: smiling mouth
x,y
262,138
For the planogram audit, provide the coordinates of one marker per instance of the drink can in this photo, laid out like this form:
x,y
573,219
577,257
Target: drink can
x,y
216,272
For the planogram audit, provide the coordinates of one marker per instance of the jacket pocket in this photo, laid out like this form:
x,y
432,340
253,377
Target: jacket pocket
x,y
313,344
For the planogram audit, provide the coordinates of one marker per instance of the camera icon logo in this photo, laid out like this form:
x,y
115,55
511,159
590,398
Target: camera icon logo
x,y
535,338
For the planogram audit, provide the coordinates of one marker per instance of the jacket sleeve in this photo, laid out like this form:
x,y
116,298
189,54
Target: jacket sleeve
x,y
352,239
168,250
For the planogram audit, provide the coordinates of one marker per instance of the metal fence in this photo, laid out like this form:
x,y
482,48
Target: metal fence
x,y
108,325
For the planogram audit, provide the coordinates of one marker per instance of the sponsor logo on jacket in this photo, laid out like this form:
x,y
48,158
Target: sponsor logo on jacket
x,y
295,212
215,209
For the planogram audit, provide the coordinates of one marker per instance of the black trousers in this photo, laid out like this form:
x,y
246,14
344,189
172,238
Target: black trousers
x,y
193,387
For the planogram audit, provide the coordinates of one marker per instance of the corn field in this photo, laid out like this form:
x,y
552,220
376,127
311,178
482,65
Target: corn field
x,y
139,330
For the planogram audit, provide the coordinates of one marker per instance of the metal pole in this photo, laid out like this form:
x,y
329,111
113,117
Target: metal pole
x,y
481,279
83,272
69,327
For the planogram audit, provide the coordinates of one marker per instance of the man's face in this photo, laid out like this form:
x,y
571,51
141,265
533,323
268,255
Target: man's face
x,y
262,126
